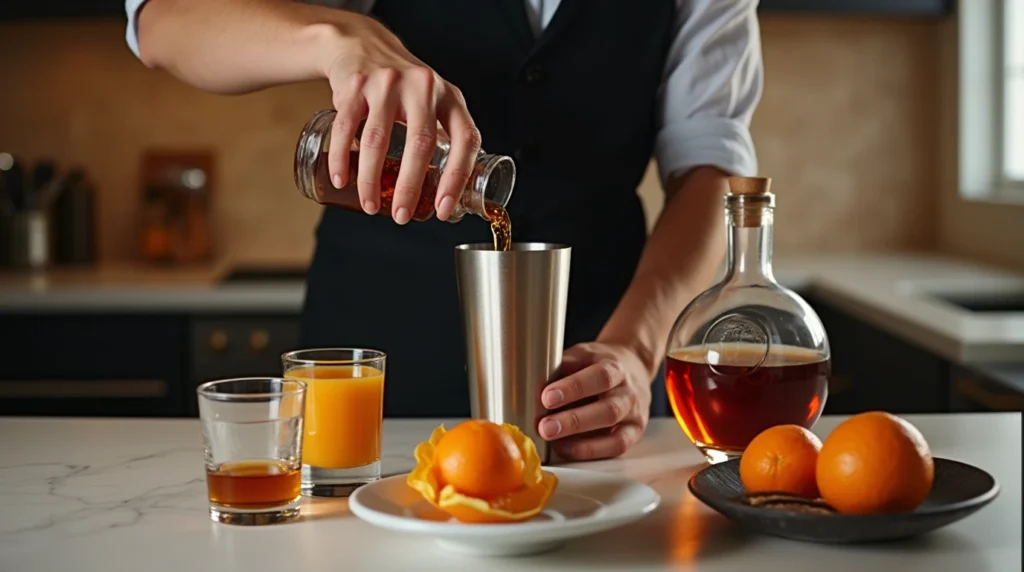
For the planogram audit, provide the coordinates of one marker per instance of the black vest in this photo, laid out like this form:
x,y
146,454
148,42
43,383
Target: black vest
x,y
575,108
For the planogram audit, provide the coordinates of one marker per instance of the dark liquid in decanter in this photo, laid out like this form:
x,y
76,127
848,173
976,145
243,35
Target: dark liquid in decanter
x,y
348,196
725,406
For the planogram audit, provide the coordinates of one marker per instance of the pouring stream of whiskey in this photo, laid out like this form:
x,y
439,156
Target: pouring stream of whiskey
x,y
501,225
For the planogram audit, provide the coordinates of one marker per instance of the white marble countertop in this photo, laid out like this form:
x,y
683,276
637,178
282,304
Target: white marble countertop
x,y
893,292
110,495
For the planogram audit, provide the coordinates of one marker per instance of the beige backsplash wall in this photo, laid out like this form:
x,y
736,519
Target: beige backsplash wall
x,y
846,129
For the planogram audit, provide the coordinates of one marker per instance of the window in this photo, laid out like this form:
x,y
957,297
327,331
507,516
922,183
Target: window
x,y
991,100
1013,93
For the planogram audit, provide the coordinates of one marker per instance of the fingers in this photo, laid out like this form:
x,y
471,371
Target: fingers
x,y
594,379
421,139
351,109
613,407
429,106
573,360
465,144
600,446
382,99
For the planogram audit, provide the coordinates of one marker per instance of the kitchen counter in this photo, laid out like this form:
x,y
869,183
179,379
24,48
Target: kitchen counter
x,y
894,292
145,289
101,495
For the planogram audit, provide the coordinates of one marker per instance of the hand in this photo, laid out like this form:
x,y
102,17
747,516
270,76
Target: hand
x,y
380,81
608,389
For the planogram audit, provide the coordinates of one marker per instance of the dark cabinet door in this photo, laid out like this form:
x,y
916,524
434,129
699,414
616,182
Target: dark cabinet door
x,y
237,346
841,331
873,369
59,9
986,389
91,365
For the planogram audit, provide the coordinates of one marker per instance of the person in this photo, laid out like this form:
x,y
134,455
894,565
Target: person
x,y
581,94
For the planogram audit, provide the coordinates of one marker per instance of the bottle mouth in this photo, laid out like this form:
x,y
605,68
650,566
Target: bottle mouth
x,y
314,138
497,179
750,210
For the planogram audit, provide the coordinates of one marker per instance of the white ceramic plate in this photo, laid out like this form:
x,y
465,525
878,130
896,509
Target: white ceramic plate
x,y
585,502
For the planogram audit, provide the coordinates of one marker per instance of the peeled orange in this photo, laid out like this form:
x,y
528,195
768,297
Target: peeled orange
x,y
875,462
781,459
482,472
479,459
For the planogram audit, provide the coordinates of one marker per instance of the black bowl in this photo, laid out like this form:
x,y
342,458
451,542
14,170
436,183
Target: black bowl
x,y
959,490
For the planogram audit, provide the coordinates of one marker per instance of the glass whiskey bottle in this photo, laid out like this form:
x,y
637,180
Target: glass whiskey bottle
x,y
486,194
748,353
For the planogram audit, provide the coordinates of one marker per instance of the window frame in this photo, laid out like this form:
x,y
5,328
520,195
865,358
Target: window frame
x,y
981,82
1007,185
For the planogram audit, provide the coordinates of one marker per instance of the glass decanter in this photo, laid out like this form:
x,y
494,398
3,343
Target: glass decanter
x,y
748,353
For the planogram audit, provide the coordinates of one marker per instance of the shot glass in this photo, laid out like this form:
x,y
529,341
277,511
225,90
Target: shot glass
x,y
252,435
344,416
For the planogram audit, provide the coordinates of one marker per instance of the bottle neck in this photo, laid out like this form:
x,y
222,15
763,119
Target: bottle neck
x,y
749,245
491,181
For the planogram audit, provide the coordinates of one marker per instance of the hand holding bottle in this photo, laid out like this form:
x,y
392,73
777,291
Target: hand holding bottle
x,y
375,78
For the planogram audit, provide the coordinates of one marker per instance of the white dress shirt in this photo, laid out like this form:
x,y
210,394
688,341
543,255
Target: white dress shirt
x,y
713,80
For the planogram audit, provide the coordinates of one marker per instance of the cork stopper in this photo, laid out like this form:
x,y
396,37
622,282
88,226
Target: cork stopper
x,y
749,199
750,185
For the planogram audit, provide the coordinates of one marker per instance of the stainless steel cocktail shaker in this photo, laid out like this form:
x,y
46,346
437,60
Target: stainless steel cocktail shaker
x,y
513,310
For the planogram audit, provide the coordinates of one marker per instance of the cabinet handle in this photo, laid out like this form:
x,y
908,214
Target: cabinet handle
x,y
258,340
990,399
218,341
839,384
83,389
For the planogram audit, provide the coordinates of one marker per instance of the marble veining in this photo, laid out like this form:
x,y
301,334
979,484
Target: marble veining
x,y
109,495
67,498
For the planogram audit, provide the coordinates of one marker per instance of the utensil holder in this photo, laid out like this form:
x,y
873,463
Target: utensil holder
x,y
29,244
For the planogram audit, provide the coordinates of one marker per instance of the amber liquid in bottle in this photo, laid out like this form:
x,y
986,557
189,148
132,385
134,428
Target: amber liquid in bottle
x,y
748,353
254,484
725,406
348,197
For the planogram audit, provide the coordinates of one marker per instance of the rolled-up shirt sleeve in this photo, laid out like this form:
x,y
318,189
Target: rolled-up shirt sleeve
x,y
131,8
714,77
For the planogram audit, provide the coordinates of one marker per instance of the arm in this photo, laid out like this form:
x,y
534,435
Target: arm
x,y
238,46
713,83
712,86
670,274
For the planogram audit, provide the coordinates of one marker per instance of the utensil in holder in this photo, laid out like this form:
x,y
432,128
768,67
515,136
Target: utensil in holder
x,y
29,244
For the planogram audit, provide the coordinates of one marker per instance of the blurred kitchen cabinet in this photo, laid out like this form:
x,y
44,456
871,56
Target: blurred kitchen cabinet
x,y
873,369
237,346
862,7
841,330
91,365
986,388
59,9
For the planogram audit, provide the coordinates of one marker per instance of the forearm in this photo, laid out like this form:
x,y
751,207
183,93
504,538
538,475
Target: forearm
x,y
682,256
238,46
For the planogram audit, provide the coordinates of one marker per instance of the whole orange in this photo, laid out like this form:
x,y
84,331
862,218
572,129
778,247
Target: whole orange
x,y
781,459
480,459
875,462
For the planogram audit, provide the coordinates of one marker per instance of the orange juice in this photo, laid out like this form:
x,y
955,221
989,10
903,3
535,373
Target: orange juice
x,y
344,408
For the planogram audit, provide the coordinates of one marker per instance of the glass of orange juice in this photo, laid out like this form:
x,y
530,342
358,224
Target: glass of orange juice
x,y
341,446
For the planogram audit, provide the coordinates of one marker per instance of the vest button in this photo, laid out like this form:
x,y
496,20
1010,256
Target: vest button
x,y
534,74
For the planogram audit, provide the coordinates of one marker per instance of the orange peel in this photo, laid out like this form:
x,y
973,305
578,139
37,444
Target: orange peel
x,y
525,502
